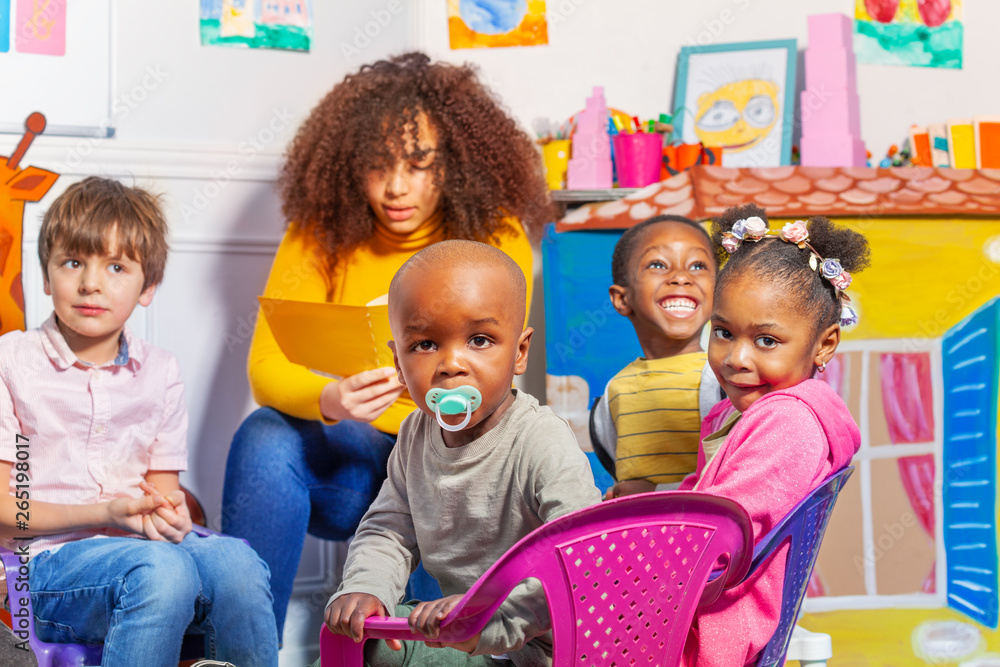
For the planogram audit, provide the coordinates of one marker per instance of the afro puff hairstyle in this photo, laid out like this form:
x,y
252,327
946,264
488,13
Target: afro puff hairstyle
x,y
786,266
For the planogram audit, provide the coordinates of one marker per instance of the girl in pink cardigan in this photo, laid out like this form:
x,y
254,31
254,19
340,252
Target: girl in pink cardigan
x,y
779,306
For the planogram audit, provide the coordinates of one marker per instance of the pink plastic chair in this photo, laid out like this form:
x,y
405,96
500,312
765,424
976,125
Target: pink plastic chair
x,y
622,580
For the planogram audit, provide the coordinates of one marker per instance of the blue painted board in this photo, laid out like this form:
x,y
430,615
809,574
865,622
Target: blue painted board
x,y
970,354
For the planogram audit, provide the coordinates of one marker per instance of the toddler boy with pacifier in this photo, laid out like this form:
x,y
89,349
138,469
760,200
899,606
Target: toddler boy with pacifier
x,y
475,469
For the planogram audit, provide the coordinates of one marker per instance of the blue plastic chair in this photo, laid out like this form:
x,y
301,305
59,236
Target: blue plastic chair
x,y
803,526
71,655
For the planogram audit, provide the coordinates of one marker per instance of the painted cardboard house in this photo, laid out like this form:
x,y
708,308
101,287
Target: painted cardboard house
x,y
908,573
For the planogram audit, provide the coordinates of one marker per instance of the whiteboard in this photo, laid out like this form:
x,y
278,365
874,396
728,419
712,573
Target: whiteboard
x,y
74,91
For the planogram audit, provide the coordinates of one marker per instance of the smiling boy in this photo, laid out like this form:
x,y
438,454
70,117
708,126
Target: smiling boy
x,y
457,500
664,275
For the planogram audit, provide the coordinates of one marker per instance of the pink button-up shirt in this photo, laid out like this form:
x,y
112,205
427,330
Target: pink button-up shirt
x,y
93,432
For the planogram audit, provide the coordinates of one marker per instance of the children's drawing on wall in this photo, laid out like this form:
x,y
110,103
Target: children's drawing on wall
x,y
495,23
918,33
738,97
257,24
40,27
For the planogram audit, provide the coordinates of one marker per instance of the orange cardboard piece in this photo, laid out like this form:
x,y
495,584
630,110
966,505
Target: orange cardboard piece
x,y
920,146
987,141
331,339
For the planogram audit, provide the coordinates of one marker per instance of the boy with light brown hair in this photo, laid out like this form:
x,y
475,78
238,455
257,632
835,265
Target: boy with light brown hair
x,y
95,436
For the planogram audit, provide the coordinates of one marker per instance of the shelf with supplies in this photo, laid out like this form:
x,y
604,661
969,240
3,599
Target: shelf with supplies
x,y
585,196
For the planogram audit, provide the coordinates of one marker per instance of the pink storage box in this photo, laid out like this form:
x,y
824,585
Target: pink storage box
x,y
835,69
826,111
832,150
830,31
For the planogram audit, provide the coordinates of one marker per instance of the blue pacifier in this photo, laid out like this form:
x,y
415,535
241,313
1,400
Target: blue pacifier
x,y
454,402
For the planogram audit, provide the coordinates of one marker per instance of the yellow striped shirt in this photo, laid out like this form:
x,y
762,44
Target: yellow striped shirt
x,y
654,405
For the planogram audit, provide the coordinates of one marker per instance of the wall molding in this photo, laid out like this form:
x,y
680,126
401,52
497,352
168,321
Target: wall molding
x,y
217,245
227,246
88,156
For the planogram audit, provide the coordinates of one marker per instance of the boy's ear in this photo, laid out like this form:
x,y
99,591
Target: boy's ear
x,y
45,282
619,299
827,344
395,362
146,297
523,345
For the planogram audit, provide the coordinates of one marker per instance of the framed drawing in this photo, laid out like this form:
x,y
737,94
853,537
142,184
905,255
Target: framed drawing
x,y
740,97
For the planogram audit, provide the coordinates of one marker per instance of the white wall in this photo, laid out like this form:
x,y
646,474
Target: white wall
x,y
223,95
630,47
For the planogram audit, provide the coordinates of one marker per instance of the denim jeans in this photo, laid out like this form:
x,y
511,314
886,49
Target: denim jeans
x,y
286,476
139,597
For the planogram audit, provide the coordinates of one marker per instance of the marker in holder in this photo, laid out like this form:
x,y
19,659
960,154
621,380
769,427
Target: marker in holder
x,y
455,401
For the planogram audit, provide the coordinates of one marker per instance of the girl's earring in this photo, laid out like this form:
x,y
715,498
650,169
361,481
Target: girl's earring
x,y
822,367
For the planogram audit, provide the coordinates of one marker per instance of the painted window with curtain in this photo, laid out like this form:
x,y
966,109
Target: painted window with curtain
x,y
883,545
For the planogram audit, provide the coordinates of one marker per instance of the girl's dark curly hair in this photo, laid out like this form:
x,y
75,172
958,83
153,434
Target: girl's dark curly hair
x,y
787,266
486,167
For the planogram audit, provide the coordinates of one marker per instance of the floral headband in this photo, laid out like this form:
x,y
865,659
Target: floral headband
x,y
754,229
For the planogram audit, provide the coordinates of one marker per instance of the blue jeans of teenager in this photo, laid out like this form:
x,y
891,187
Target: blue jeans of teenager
x,y
286,476
139,597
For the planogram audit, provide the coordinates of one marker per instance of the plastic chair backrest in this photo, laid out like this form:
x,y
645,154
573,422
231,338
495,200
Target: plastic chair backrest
x,y
622,579
58,655
804,526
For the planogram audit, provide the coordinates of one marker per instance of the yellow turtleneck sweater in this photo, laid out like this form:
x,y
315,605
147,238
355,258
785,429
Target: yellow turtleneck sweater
x,y
299,274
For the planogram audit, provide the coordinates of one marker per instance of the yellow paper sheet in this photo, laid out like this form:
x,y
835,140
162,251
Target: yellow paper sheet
x,y
962,144
330,338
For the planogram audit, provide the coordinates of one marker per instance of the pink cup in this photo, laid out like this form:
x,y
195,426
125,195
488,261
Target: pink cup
x,y
637,158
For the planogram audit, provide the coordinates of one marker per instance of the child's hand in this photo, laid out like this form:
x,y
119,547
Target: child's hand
x,y
629,487
170,521
347,614
426,619
362,397
127,513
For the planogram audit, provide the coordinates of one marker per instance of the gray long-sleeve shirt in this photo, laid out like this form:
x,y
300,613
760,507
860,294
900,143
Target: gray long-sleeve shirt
x,y
460,509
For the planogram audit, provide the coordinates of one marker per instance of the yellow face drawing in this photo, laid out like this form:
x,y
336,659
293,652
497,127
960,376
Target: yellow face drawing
x,y
738,115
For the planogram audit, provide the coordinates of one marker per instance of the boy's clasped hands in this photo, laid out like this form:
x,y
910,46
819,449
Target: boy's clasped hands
x,y
159,517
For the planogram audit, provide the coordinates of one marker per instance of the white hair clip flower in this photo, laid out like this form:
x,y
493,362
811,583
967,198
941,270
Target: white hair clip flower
x,y
748,229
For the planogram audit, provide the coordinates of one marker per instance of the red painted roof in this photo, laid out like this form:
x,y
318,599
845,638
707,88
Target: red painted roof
x,y
789,192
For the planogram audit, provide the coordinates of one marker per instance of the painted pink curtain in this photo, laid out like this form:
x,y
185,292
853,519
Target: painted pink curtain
x,y
908,404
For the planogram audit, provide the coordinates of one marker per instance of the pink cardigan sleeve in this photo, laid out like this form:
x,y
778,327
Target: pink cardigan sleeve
x,y
772,458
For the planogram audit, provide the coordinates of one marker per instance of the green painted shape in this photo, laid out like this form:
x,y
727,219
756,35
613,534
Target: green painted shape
x,y
909,44
286,37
